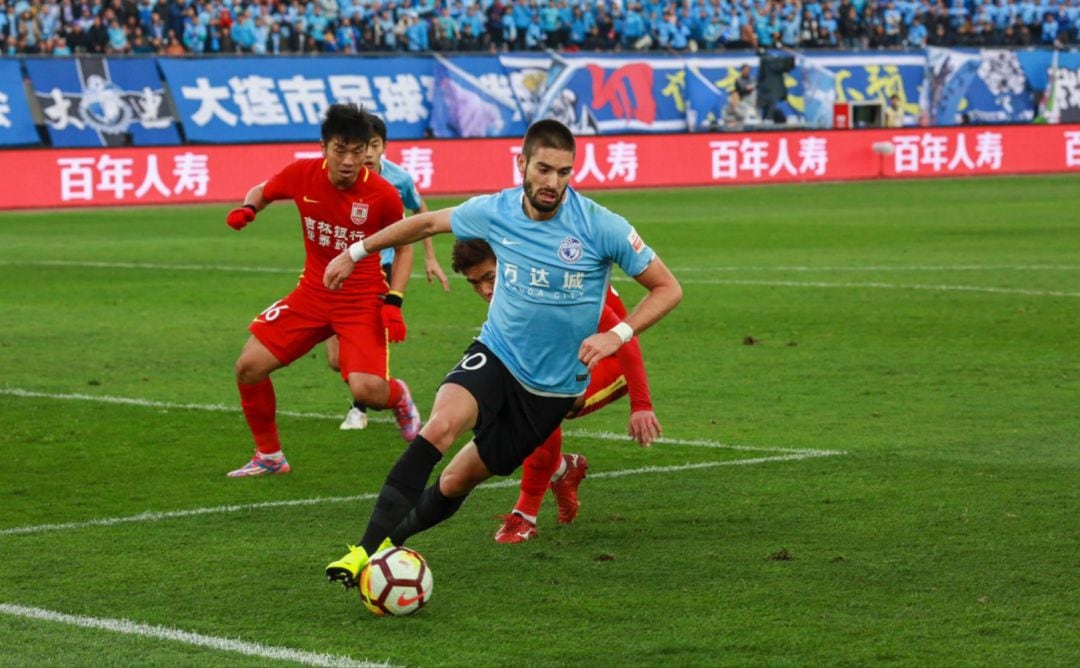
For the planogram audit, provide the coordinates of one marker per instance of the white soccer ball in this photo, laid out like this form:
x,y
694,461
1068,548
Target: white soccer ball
x,y
396,581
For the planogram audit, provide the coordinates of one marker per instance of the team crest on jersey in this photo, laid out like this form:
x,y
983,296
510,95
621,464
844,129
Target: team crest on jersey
x,y
570,250
359,213
635,241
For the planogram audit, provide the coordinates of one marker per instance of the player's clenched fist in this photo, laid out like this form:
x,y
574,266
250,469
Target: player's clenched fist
x,y
393,320
239,217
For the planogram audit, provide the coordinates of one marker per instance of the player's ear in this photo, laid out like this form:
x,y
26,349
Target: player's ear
x,y
521,163
324,147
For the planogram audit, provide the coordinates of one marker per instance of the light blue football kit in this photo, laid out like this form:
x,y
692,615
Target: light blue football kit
x,y
552,279
403,182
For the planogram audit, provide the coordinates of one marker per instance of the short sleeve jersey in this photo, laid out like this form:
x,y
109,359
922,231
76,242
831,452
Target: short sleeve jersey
x,y
553,278
410,197
332,219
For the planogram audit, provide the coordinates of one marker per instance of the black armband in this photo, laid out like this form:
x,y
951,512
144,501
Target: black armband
x,y
394,298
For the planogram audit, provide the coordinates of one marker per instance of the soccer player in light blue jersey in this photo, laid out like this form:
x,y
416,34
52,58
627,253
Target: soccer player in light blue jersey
x,y
555,250
375,160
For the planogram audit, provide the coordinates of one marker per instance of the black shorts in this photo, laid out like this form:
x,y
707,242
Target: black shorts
x,y
512,421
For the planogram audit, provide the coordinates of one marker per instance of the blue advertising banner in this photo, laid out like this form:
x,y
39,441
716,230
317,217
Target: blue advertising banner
x,y
231,100
473,98
950,73
1062,95
999,93
16,123
90,101
594,94
819,94
528,78
859,77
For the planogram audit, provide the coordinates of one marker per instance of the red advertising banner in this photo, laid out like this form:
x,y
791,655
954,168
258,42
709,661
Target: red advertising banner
x,y
192,174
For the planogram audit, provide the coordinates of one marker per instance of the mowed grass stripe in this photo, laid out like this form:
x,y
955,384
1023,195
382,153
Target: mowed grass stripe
x,y
128,627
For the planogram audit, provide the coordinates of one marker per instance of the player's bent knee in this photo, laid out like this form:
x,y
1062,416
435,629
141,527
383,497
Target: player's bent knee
x,y
369,389
249,372
441,431
455,483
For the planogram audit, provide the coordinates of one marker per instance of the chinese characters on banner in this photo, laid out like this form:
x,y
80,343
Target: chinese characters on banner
x,y
92,179
164,175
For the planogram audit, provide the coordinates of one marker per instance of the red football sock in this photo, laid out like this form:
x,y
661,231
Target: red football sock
x,y
396,390
260,407
536,474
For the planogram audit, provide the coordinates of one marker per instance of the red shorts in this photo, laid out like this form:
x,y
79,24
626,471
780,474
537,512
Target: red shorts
x,y
292,326
606,384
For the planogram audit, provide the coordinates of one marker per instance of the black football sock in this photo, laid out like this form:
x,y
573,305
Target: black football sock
x,y
404,485
432,508
359,405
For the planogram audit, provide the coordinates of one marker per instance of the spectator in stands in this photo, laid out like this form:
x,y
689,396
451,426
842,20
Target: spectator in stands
x,y
194,33
1049,34
810,33
633,27
917,34
97,36
352,26
852,35
139,44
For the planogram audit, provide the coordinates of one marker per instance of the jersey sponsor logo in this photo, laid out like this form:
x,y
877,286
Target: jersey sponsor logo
x,y
635,241
570,250
359,213
310,201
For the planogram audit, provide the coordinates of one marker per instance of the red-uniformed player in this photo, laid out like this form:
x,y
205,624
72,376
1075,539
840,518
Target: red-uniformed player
x,y
340,201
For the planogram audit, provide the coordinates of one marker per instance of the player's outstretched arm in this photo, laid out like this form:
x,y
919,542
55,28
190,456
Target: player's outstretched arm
x,y
664,294
401,233
254,202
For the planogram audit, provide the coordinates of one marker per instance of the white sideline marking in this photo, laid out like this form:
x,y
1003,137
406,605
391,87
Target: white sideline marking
x,y
499,484
889,286
146,403
695,281
187,637
167,405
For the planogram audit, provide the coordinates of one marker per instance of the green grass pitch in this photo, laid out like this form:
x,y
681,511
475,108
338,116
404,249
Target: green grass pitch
x,y
871,404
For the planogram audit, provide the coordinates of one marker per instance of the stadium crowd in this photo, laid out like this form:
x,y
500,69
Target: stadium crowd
x,y
176,27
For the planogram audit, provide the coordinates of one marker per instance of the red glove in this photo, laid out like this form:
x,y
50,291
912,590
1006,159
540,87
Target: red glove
x,y
392,319
239,217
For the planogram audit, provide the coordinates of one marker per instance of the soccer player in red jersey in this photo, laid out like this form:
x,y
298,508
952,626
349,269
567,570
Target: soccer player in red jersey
x,y
375,160
612,378
340,201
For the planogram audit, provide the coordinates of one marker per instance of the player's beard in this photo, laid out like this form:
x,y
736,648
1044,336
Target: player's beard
x,y
532,193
